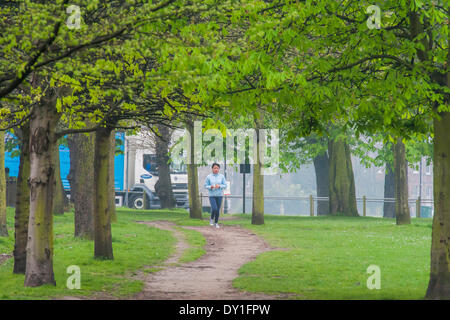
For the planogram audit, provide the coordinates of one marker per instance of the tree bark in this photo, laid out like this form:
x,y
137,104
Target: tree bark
x,y
401,184
163,187
22,204
342,181
389,192
60,201
439,284
3,226
81,178
195,205
112,187
39,265
258,178
321,166
102,204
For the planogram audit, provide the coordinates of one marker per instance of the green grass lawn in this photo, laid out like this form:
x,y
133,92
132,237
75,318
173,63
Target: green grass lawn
x,y
322,257
130,241
328,257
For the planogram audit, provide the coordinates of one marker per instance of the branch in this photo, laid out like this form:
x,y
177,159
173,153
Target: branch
x,y
29,66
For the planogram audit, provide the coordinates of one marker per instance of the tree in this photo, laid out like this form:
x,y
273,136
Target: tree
x,y
195,205
342,182
258,175
401,179
102,211
60,201
3,227
22,201
44,109
39,261
163,187
389,191
111,186
321,166
81,178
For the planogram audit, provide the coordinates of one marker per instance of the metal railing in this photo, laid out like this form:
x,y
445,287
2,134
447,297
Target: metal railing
x,y
363,201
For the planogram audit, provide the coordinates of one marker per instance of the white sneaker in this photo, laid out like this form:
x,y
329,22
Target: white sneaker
x,y
211,222
217,226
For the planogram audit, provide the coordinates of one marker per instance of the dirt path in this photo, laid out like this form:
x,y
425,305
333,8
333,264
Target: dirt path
x,y
211,276
4,257
208,278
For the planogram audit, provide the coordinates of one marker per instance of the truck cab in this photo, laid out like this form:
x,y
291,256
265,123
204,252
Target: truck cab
x,y
143,175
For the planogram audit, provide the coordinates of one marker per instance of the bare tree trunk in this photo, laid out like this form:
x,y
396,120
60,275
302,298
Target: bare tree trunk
x,y
112,187
389,192
3,226
102,204
258,178
163,187
22,204
401,184
321,167
439,284
195,205
39,267
342,181
81,178
60,201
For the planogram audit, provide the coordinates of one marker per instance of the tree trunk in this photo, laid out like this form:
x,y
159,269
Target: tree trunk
x,y
39,266
321,166
439,284
401,184
389,192
163,187
22,204
195,205
81,178
342,181
112,187
102,204
258,178
60,201
3,227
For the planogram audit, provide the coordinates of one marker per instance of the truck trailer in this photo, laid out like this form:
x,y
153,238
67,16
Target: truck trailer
x,y
135,173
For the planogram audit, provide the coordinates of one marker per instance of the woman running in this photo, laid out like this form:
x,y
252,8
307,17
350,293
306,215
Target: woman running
x,y
215,183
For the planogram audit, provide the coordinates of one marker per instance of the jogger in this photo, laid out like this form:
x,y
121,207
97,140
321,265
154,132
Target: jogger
x,y
215,183
216,202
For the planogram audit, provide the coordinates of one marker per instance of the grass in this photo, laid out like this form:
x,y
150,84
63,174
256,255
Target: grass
x,y
321,257
130,241
196,243
328,257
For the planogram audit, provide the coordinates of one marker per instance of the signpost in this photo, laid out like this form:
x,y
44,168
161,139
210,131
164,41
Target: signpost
x,y
244,168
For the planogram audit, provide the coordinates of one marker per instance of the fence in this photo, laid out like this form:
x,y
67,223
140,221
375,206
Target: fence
x,y
307,205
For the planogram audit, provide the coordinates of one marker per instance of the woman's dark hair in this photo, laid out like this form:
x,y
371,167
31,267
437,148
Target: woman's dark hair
x,y
215,164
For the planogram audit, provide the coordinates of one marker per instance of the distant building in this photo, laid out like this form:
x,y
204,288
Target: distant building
x,y
420,184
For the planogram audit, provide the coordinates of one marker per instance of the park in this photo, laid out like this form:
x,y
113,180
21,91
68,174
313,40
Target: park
x,y
224,150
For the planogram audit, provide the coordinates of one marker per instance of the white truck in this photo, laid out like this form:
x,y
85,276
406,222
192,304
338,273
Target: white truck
x,y
141,175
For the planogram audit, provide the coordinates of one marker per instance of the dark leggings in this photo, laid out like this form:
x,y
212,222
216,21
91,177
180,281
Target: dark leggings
x,y
216,202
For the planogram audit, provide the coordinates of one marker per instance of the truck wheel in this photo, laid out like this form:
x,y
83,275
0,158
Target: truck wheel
x,y
137,202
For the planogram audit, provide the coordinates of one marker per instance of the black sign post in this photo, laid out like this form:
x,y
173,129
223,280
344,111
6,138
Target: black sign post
x,y
244,168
